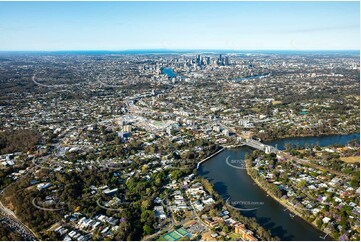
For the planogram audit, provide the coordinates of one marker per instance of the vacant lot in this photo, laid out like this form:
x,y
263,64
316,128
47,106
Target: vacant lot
x,y
276,102
351,159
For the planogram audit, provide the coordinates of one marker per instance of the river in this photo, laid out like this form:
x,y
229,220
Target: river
x,y
239,79
236,184
169,72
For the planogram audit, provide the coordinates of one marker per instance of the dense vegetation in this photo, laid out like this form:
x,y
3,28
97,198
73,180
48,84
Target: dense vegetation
x,y
8,235
20,140
73,189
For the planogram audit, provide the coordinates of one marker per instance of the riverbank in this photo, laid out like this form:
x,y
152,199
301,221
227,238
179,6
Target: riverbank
x,y
258,230
237,184
266,143
207,158
280,201
308,135
219,151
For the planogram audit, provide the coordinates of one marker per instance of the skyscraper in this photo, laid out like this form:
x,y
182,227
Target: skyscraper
x,y
226,61
198,60
208,60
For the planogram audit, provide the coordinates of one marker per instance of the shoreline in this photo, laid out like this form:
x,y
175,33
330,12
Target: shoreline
x,y
284,204
307,135
217,152
270,140
210,156
224,202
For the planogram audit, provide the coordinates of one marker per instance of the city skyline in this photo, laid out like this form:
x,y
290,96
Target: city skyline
x,y
117,26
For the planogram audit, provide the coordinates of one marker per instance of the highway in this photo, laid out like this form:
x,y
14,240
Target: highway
x,y
9,219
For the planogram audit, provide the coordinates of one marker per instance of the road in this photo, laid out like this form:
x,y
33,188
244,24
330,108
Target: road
x,y
9,219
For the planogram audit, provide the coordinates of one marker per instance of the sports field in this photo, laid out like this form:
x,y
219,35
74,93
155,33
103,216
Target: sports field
x,y
182,231
175,235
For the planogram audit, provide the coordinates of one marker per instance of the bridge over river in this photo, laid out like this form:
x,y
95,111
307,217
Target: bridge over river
x,y
249,142
260,146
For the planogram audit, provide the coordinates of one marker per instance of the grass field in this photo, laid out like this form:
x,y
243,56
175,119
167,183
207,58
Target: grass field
x,y
234,236
351,159
189,223
276,102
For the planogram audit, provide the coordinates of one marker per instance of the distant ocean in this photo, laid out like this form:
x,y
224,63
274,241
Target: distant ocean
x,y
160,51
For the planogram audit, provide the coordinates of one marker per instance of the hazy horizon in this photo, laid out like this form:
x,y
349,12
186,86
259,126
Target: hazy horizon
x,y
188,50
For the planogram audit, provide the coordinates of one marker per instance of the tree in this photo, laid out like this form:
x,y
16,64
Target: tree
x,y
147,217
225,229
147,230
122,231
301,184
213,212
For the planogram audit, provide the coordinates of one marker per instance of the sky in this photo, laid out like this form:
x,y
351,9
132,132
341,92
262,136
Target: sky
x,y
179,25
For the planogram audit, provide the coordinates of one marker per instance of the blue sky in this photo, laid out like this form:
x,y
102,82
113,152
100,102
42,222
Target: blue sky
x,y
179,25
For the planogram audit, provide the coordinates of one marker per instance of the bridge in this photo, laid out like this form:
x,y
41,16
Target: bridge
x,y
259,146
251,142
